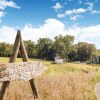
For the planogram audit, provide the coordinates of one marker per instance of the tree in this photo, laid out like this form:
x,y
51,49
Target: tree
x,y
86,51
72,56
30,48
63,45
44,47
98,52
5,49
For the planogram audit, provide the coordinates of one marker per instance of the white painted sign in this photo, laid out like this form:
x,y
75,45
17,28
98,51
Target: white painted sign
x,y
20,71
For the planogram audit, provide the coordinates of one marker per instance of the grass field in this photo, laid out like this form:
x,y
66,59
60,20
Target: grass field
x,y
68,81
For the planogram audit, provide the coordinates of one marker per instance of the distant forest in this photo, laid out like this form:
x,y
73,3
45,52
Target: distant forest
x,y
63,46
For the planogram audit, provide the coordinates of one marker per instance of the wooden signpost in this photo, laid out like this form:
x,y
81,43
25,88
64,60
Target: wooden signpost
x,y
19,71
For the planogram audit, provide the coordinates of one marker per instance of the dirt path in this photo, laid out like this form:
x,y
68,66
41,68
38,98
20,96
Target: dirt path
x,y
97,90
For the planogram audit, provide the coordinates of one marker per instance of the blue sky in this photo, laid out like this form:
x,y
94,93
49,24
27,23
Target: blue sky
x,y
49,18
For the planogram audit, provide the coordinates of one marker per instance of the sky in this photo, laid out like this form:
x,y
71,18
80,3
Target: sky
x,y
49,18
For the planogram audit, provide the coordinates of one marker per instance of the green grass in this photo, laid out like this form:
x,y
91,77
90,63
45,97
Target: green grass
x,y
68,67
6,59
60,68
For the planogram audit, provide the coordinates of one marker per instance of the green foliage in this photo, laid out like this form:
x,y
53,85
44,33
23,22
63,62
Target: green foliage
x,y
30,48
5,49
98,52
63,45
86,51
47,49
83,51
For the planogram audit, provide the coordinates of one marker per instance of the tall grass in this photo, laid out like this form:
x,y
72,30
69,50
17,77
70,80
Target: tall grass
x,y
66,81
71,86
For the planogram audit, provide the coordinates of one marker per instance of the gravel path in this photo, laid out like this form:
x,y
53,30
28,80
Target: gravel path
x,y
97,90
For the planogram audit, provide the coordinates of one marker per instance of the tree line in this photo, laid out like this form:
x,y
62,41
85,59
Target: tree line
x,y
45,48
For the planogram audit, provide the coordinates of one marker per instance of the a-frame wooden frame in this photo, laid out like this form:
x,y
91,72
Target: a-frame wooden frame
x,y
18,47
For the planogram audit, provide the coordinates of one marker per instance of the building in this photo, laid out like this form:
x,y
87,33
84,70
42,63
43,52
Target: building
x,y
59,60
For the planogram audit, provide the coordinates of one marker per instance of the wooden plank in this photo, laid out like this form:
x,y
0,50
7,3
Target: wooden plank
x,y
19,45
34,89
4,89
21,71
15,48
25,59
13,56
23,51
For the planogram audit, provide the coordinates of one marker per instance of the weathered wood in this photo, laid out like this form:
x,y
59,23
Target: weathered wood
x,y
25,59
15,48
23,51
21,71
19,46
3,91
13,57
34,89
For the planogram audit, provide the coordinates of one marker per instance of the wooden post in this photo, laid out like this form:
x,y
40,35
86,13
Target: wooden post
x,y
13,57
23,50
34,90
25,59
3,91
15,48
18,46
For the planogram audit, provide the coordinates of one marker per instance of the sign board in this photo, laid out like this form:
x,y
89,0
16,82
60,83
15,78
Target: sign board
x,y
21,71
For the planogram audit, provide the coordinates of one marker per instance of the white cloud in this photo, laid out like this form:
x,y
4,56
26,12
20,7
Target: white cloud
x,y
90,34
50,29
95,12
4,4
73,14
7,34
75,17
90,6
57,6
60,15
2,14
75,11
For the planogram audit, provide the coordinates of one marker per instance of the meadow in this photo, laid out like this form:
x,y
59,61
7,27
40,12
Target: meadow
x,y
67,81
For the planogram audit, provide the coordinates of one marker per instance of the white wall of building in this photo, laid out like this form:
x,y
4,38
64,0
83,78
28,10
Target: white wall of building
x,y
59,61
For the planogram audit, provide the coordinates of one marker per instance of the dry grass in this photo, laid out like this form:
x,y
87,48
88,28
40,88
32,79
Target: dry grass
x,y
67,81
71,86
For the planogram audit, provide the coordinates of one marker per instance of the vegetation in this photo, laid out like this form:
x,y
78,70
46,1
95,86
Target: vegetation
x,y
98,52
83,52
47,49
68,81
